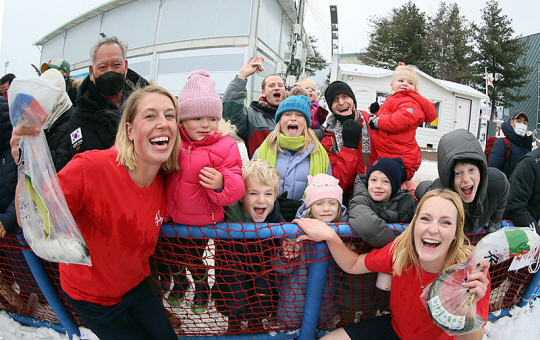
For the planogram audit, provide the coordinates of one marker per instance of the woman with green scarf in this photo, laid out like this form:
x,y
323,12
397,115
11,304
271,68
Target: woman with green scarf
x,y
293,148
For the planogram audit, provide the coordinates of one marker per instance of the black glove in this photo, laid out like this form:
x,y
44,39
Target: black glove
x,y
288,207
373,124
352,131
374,107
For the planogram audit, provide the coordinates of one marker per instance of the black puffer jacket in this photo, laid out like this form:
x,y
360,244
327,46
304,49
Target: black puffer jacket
x,y
489,203
8,171
369,218
58,140
94,121
523,206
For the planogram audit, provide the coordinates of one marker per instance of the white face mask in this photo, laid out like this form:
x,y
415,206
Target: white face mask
x,y
520,129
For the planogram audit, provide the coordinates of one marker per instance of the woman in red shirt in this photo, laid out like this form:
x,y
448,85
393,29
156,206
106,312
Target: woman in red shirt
x,y
433,242
117,198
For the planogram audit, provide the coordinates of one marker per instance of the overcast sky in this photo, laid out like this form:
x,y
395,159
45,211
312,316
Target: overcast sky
x,y
26,21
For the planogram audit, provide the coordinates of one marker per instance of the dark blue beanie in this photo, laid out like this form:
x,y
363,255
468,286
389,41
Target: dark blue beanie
x,y
298,103
391,167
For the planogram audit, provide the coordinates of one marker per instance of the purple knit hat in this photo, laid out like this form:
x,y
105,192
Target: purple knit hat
x,y
199,97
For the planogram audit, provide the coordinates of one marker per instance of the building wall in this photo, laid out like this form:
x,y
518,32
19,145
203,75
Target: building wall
x,y
166,43
366,90
532,89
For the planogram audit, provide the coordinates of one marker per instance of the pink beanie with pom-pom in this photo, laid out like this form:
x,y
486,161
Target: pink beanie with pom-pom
x,y
199,97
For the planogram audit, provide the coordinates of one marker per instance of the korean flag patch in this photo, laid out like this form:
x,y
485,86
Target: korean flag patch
x,y
76,136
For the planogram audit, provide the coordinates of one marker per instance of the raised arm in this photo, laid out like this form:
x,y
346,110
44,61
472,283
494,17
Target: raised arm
x,y
319,231
234,108
248,68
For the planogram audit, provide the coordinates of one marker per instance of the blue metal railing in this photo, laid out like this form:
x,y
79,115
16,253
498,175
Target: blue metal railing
x,y
316,277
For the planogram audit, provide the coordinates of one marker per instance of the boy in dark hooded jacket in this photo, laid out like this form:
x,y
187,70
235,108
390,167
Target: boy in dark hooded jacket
x,y
463,168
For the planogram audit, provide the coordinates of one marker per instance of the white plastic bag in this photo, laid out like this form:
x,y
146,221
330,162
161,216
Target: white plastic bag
x,y
48,226
448,303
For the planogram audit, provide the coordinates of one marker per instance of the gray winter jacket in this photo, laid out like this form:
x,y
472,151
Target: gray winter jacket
x,y
488,206
369,218
253,122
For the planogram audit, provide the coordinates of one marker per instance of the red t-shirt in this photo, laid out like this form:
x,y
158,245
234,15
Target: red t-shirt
x,y
119,222
410,318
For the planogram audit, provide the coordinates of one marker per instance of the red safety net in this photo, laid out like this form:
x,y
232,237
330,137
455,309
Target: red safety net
x,y
215,285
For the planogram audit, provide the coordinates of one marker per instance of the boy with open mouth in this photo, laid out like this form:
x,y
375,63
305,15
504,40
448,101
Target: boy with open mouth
x,y
463,168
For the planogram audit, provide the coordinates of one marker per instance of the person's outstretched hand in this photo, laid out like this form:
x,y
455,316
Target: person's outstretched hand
x,y
249,67
315,230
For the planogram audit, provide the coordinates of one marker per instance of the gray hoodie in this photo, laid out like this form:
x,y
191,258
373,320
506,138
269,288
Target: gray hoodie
x,y
488,206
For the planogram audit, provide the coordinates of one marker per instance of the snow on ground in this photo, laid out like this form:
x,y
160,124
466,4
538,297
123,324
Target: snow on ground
x,y
522,324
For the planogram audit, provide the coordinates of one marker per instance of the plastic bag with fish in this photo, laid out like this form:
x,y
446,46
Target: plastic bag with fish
x,y
448,303
48,226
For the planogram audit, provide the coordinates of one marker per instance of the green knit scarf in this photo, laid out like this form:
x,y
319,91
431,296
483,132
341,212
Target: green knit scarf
x,y
318,162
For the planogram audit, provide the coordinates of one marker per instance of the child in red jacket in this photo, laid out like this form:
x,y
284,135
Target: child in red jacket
x,y
393,127
209,178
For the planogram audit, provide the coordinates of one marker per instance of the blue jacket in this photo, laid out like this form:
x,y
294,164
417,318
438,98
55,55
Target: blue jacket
x,y
293,170
519,146
8,171
293,275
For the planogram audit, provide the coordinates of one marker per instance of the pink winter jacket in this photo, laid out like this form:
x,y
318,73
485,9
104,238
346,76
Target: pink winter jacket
x,y
396,136
187,201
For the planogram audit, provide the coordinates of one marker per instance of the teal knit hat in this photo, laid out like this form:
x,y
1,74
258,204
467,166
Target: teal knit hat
x,y
298,103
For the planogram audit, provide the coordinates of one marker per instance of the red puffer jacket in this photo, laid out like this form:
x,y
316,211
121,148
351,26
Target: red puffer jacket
x,y
347,163
396,136
187,201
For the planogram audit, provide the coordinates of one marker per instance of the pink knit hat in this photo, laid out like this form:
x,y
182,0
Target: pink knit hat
x,y
323,186
199,97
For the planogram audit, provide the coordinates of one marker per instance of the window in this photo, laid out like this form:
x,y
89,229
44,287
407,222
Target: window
x,y
434,124
381,97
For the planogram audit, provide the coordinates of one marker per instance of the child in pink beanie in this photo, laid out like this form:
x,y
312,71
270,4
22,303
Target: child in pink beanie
x,y
323,202
209,178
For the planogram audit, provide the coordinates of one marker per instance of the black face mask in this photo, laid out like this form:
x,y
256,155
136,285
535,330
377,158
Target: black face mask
x,y
342,118
109,83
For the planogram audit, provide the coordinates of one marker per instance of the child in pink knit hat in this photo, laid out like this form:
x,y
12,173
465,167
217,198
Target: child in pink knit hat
x,y
209,178
323,202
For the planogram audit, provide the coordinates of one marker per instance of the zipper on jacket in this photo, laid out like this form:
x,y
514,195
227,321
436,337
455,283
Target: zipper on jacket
x,y
213,218
189,149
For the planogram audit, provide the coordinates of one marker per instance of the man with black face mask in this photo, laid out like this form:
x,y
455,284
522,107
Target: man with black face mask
x,y
346,137
94,123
